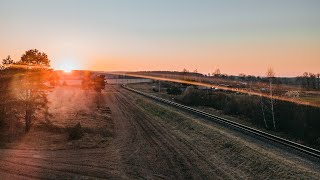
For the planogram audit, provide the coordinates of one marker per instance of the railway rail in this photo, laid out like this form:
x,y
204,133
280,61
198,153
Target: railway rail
x,y
293,145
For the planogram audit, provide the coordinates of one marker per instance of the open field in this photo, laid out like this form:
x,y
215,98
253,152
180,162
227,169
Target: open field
x,y
127,136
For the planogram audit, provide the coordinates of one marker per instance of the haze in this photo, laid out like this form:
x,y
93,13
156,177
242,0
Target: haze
x,y
236,36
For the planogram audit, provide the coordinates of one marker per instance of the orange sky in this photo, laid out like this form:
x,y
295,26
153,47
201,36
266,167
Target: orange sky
x,y
237,37
287,60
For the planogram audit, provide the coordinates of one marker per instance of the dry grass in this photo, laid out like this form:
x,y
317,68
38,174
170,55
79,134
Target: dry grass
x,y
141,140
68,107
147,87
311,99
243,159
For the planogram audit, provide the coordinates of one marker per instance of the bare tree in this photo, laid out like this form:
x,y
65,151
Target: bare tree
x,y
263,111
242,76
318,81
216,73
185,70
306,82
271,75
310,80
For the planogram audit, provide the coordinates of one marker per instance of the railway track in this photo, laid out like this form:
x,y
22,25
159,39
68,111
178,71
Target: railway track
x,y
293,145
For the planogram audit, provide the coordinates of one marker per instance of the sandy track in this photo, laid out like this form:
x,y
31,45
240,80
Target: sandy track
x,y
143,146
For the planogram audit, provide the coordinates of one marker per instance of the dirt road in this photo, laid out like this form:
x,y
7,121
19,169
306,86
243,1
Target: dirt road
x,y
154,142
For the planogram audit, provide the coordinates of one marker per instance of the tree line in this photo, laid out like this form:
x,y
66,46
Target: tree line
x,y
309,80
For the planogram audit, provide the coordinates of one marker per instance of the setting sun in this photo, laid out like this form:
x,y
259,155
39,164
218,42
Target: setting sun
x,y
67,66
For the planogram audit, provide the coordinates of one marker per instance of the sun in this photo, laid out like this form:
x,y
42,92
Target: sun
x,y
67,67
67,64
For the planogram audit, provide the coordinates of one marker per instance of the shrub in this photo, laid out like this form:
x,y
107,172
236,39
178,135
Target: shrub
x,y
174,91
300,121
75,132
231,107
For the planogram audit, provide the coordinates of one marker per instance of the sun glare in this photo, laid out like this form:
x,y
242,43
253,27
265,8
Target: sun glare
x,y
67,67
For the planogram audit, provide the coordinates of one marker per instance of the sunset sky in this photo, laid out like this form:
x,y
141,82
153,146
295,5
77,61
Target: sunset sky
x,y
237,36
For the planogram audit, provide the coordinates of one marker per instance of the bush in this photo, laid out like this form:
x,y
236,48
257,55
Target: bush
x,y
300,121
231,107
174,91
75,132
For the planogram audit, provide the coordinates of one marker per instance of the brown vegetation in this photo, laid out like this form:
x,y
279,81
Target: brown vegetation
x,y
132,137
294,121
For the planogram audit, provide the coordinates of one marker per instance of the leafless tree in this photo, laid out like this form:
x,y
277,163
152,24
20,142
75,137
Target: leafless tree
x,y
271,75
263,111
216,73
306,82
242,76
318,80
185,70
310,80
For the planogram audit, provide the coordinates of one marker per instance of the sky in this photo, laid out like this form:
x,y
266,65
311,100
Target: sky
x,y
236,36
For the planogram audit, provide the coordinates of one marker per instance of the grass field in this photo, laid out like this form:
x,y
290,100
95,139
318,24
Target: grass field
x,y
127,136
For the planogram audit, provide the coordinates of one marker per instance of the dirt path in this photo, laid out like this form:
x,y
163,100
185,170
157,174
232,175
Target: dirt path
x,y
152,142
150,150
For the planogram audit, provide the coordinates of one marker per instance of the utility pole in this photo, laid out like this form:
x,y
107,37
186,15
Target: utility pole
x,y
159,86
